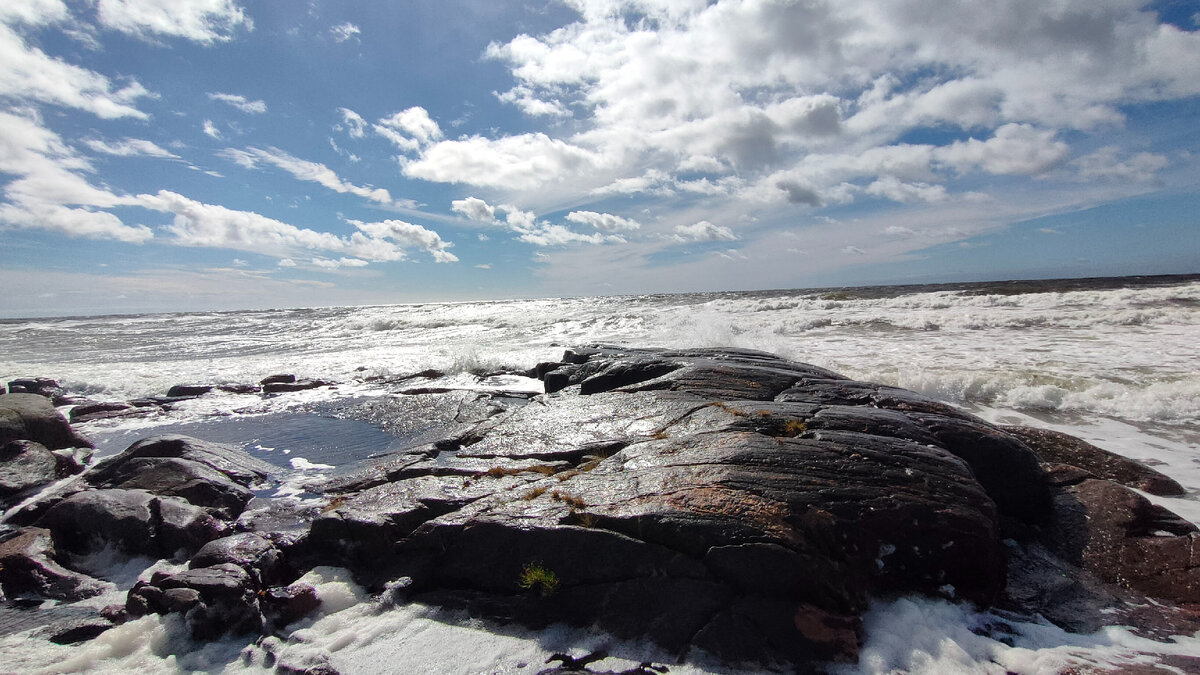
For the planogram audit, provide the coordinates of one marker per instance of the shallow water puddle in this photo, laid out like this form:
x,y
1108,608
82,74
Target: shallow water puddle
x,y
286,439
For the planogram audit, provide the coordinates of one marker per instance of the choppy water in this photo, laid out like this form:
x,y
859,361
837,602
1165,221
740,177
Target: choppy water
x,y
1111,360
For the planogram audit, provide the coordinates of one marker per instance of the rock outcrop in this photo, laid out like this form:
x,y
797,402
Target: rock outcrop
x,y
716,499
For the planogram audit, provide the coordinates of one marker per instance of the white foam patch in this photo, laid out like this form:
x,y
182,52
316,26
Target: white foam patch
x,y
302,464
928,636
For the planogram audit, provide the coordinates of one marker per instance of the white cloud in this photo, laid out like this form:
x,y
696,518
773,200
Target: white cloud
x,y
410,129
474,209
1014,149
605,222
74,222
344,31
1107,164
241,103
204,21
522,162
704,231
33,12
402,235
557,235
49,191
750,93
211,130
305,170
525,99
354,123
28,74
130,147
286,262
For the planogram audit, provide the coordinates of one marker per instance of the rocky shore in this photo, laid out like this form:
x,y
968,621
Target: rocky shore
x,y
721,500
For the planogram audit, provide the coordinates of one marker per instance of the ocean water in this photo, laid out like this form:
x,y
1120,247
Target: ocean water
x,y
1113,361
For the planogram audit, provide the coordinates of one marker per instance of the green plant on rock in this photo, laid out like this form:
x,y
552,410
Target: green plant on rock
x,y
536,576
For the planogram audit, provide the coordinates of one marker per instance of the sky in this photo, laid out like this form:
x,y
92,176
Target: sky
x,y
179,155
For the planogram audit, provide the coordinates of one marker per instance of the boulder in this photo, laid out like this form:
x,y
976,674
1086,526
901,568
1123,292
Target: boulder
x,y
230,461
28,567
188,390
252,552
42,386
34,418
90,411
1059,448
295,385
1123,539
25,465
196,482
213,600
277,379
134,521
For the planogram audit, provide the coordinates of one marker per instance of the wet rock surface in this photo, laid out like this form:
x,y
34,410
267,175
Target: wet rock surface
x,y
1055,447
33,417
716,499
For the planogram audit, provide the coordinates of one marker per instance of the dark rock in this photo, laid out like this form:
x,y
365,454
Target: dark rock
x,y
197,483
214,600
42,386
234,463
76,631
240,388
92,411
296,385
361,531
28,567
1004,466
24,465
134,521
188,390
72,460
283,605
1123,539
1060,448
250,551
34,418
277,379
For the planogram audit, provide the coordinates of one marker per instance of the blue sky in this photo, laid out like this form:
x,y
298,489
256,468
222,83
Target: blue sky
x,y
165,155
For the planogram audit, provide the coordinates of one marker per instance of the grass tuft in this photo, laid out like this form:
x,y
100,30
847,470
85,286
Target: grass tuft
x,y
537,577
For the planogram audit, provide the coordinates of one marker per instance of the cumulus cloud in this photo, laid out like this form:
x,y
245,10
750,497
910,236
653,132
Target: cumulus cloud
x,y
558,235
401,235
241,103
522,162
304,170
605,222
410,129
1014,149
211,130
204,21
344,31
783,104
474,209
704,231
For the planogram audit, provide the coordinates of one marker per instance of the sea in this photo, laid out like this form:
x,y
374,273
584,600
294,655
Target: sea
x,y
1111,360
